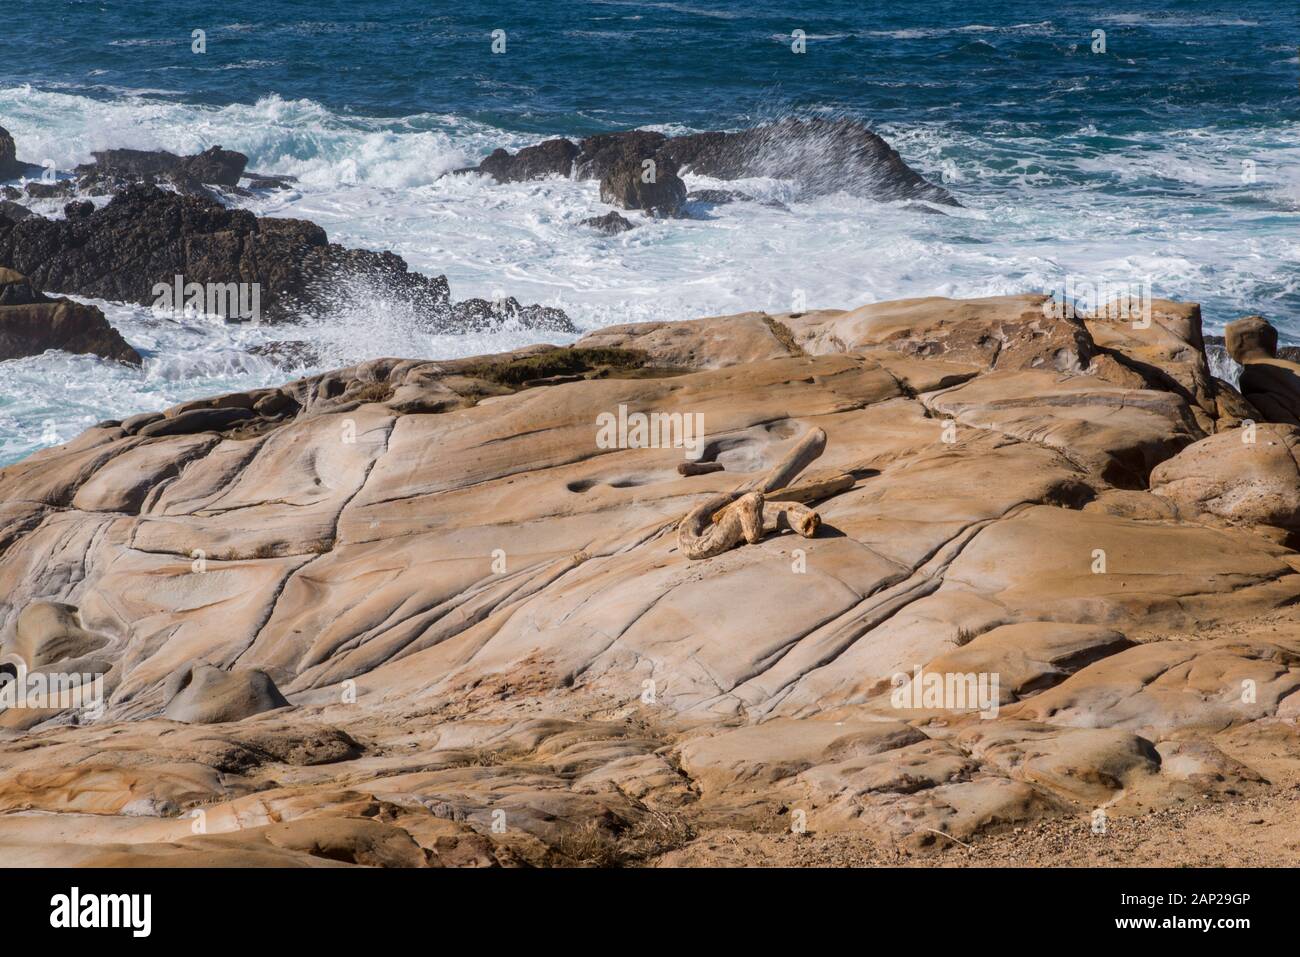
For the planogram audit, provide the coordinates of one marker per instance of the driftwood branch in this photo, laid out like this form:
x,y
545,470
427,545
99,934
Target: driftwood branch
x,y
744,513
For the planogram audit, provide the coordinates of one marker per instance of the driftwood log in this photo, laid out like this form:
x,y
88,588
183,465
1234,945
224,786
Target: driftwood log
x,y
722,521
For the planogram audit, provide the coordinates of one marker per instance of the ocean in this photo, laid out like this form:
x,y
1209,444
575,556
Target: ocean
x,y
1174,155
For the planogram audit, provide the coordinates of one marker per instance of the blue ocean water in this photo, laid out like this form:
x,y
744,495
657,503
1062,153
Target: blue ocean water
x,y
1173,155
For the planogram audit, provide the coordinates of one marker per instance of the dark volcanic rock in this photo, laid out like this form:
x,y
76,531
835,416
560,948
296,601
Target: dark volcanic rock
x,y
44,190
266,181
633,184
551,158
604,151
611,223
13,212
822,156
113,170
288,354
223,167
148,236
11,167
31,323
474,315
8,153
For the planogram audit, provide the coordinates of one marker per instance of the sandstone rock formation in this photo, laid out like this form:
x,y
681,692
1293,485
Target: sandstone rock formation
x,y
821,156
1246,476
32,322
478,612
1269,383
203,694
147,235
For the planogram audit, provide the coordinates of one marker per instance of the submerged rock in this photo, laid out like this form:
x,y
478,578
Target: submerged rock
x,y
612,223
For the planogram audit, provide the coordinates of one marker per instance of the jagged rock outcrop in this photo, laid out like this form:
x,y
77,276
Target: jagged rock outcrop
x,y
32,322
653,186
146,236
611,224
11,167
821,156
113,170
14,212
551,158
472,569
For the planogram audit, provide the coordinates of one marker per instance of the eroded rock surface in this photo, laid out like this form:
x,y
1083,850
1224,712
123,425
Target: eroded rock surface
x,y
476,610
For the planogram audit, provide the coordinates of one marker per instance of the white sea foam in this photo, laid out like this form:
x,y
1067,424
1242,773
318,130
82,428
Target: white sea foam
x,y
1172,207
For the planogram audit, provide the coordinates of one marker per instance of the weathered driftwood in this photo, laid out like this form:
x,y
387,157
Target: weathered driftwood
x,y
778,516
806,491
700,535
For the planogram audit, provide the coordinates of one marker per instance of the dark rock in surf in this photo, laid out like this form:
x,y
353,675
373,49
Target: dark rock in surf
x,y
116,169
148,236
550,158
11,167
13,212
601,153
44,190
717,197
476,315
288,354
649,184
611,223
821,156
